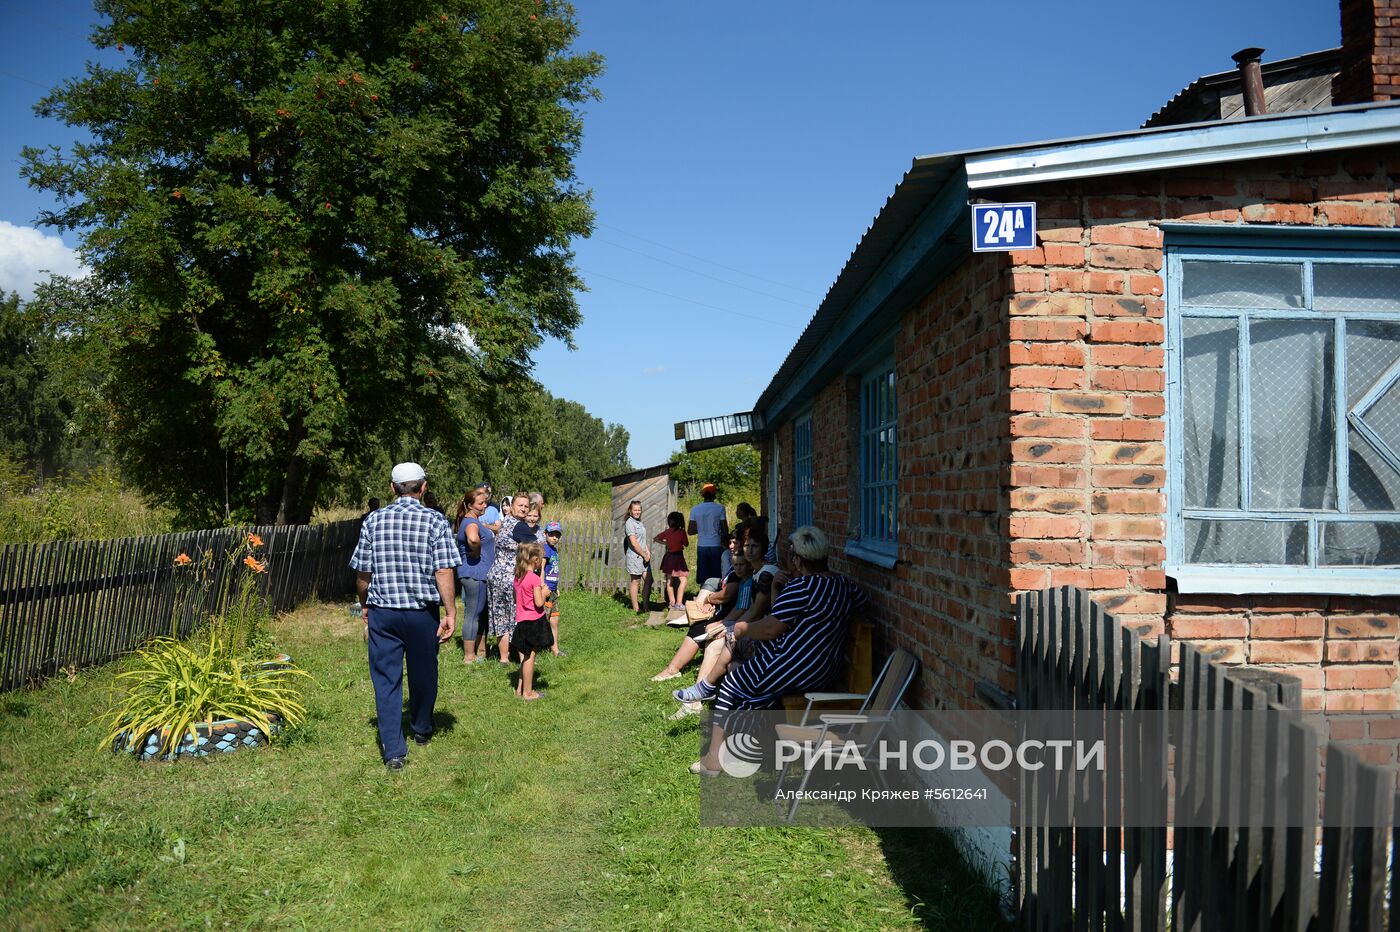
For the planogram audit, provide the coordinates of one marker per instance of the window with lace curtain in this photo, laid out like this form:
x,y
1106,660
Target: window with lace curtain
x,y
1284,407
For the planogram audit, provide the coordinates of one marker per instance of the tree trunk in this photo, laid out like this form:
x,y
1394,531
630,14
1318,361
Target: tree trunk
x,y
289,507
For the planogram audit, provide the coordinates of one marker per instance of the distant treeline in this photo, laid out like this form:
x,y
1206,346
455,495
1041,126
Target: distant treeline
x,y
57,419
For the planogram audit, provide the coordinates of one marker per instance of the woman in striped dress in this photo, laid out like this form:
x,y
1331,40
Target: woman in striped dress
x,y
799,647
500,582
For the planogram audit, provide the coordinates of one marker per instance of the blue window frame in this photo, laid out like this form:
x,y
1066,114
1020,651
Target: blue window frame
x,y
1284,417
802,471
879,463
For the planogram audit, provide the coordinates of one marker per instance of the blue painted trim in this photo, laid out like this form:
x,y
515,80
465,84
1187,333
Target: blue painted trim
x,y
1247,580
1268,239
1342,464
1175,457
1242,395
1291,515
1368,401
1256,245
868,552
937,242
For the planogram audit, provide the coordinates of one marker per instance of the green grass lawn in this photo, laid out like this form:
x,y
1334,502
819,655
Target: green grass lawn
x,y
574,812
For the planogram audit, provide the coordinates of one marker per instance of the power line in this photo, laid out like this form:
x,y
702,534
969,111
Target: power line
x,y
18,77
47,22
730,268
724,281
665,294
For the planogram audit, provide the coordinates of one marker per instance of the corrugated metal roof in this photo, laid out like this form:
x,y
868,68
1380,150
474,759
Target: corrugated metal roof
x,y
708,432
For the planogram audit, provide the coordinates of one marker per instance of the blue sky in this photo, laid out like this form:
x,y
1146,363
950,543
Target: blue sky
x,y
740,150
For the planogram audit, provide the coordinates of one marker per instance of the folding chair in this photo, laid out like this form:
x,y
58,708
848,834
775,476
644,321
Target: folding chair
x,y
829,736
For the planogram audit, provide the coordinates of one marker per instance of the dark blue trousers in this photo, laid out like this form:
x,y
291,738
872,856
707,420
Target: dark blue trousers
x,y
396,635
707,562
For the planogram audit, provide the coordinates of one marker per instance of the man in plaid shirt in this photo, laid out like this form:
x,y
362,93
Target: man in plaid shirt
x,y
405,562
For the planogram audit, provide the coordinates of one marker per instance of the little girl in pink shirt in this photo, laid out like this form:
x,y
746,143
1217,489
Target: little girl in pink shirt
x,y
532,633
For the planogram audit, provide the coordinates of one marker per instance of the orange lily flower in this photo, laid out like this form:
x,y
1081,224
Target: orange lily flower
x,y
183,560
254,540
254,565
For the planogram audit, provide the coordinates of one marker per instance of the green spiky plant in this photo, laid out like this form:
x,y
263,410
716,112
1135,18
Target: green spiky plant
x,y
221,673
174,686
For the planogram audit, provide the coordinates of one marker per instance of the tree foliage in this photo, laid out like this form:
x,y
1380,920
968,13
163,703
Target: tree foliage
x,y
733,469
41,391
319,228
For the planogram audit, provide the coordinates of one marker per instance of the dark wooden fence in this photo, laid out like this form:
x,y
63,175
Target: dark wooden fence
x,y
1239,776
77,603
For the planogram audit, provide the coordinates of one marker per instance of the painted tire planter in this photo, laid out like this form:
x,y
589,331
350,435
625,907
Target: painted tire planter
x,y
221,737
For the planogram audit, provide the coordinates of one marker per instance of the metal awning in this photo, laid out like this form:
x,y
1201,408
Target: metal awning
x,y
706,433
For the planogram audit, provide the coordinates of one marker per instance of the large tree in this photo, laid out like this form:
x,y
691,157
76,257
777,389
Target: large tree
x,y
323,223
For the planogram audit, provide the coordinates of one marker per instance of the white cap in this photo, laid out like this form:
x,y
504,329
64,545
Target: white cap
x,y
407,472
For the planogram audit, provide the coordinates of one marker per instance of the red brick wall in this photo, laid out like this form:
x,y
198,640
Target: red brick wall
x,y
1086,391
947,599
1031,454
1370,52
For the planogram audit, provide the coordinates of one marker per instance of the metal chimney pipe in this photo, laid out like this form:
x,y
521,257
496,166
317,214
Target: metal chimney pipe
x,y
1251,81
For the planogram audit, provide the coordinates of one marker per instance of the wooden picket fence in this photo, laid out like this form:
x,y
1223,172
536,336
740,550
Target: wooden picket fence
x,y
591,558
1243,778
77,603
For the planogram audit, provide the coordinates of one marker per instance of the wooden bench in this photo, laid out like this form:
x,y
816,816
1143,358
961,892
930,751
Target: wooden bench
x,y
859,675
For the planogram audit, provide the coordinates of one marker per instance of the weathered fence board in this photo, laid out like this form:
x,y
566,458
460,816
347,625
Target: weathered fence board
x,y
83,602
1246,784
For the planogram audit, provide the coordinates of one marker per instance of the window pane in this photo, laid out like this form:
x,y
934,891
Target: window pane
x,y
1291,415
1372,347
1356,287
1355,544
1375,485
1241,284
1276,543
1210,412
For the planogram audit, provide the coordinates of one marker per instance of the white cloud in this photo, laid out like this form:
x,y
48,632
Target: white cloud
x,y
27,256
658,370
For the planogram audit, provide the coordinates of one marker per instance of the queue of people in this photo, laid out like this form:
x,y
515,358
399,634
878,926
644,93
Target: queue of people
x,y
770,619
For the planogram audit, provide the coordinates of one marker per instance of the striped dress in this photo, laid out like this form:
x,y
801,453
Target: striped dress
x,y
807,656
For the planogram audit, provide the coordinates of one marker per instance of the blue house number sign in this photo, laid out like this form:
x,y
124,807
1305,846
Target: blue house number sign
x,y
1003,227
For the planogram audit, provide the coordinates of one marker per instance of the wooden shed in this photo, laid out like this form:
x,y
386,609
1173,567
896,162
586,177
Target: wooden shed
x,y
656,490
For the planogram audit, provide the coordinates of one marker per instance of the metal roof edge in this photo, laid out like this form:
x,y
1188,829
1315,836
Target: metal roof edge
x,y
1143,149
1193,144
645,472
1067,141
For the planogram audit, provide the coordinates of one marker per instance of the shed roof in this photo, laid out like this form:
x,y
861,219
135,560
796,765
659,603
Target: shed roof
x,y
636,475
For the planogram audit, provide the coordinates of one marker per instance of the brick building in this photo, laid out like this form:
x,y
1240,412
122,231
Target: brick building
x,y
1185,397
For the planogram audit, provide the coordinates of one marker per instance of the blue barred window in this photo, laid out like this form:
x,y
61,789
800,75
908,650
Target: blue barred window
x,y
879,466
802,471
